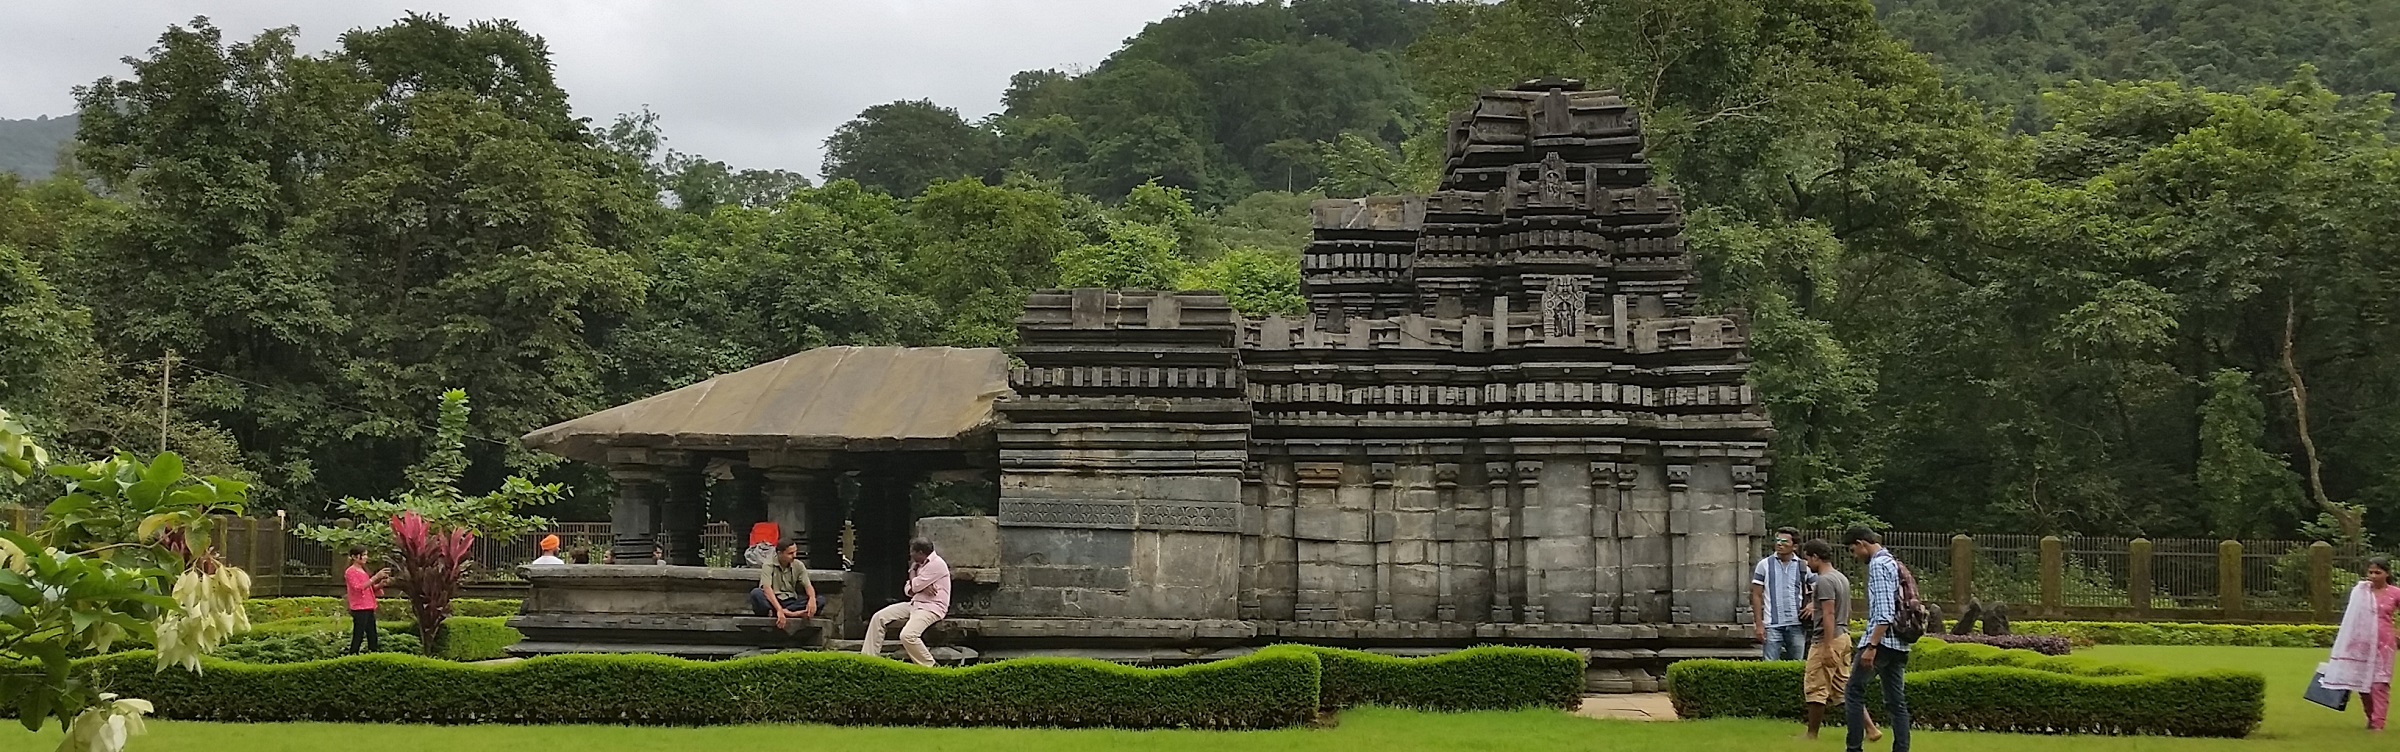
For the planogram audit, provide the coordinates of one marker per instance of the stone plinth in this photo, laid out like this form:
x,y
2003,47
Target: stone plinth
x,y
688,611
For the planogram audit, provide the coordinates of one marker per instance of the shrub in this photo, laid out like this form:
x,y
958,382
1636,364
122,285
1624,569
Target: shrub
x,y
2158,633
1278,686
1982,688
1481,678
388,609
301,647
477,638
2039,643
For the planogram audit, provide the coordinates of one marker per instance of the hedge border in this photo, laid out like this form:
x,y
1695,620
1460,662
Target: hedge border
x,y
386,609
1489,677
2183,633
1981,688
1278,685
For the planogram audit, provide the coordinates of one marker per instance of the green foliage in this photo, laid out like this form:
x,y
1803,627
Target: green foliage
x,y
2243,486
1136,256
2168,633
269,647
264,610
2007,51
1257,282
1981,688
903,147
434,495
471,638
1478,678
1275,687
982,249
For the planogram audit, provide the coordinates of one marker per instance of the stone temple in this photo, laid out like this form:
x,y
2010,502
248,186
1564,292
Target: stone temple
x,y
1499,422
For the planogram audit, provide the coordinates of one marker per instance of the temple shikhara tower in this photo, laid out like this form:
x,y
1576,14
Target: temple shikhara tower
x,y
1500,421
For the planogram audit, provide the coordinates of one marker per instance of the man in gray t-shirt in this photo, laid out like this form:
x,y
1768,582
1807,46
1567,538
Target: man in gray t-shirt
x,y
1828,669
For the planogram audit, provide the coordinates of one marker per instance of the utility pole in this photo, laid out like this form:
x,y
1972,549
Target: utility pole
x,y
166,379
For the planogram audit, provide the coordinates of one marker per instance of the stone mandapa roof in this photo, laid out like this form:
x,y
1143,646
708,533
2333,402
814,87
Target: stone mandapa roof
x,y
831,398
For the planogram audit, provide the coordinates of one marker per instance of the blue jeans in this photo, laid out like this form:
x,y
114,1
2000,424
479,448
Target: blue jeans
x,y
759,606
1785,643
1890,670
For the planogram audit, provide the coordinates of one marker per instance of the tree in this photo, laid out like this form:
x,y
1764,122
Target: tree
x,y
981,249
1256,281
427,529
1135,256
903,147
2245,488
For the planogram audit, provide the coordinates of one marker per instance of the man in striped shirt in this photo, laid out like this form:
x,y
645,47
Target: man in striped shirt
x,y
1880,654
1775,599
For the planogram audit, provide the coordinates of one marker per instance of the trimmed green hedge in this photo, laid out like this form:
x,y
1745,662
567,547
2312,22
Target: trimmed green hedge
x,y
1981,688
388,609
1277,686
2169,633
464,638
1480,678
477,638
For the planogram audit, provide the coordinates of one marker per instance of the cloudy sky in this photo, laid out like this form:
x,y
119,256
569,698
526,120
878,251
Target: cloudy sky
x,y
756,83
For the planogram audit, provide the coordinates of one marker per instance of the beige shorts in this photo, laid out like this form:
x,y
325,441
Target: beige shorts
x,y
1828,671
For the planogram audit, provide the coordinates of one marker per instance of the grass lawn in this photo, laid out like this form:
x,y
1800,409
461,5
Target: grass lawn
x,y
2292,724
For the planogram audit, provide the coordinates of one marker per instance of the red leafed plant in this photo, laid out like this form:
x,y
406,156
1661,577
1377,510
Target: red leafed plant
x,y
432,563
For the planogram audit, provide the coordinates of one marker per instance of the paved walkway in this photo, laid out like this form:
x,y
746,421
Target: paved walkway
x,y
1635,707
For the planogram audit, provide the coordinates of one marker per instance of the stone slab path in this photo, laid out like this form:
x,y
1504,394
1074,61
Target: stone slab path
x,y
1653,706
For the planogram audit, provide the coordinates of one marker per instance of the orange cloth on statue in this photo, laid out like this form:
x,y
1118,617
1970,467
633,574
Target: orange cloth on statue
x,y
764,532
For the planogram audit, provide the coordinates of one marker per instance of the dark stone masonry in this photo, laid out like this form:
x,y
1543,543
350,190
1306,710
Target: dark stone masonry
x,y
1499,422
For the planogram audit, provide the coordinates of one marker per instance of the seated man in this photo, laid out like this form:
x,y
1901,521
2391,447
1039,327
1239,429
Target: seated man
x,y
928,591
783,588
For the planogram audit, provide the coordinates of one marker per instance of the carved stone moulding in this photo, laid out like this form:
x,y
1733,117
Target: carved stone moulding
x,y
1118,514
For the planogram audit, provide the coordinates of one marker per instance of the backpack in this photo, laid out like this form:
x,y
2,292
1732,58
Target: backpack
x,y
1909,615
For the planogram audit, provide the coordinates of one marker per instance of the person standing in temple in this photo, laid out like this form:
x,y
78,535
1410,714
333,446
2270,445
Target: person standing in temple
x,y
360,590
928,591
549,557
1881,652
1776,599
1828,670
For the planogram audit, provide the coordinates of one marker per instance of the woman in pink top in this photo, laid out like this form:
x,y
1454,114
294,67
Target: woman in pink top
x,y
2362,650
361,590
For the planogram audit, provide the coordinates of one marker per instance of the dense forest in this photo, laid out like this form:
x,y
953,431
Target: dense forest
x,y
2076,266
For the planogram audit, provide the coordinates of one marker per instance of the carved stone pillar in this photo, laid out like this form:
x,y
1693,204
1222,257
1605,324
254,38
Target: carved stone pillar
x,y
634,515
1496,477
1680,521
1529,506
684,515
1608,588
1379,534
743,497
1445,523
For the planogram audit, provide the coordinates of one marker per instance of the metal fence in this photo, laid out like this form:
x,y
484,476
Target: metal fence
x,y
2109,578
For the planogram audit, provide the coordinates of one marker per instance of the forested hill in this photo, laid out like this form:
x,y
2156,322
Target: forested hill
x,y
2007,51
30,147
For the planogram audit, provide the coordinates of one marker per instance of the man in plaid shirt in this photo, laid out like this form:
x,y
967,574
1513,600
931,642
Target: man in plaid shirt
x,y
1880,654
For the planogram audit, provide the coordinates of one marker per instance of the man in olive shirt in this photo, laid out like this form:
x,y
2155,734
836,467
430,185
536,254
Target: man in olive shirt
x,y
783,588
1828,669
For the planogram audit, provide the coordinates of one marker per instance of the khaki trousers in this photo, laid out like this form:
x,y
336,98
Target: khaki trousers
x,y
912,634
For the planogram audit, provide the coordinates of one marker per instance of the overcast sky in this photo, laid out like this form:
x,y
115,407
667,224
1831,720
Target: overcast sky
x,y
756,83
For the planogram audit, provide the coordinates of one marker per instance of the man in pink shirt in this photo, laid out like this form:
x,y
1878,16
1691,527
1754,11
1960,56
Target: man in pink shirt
x,y
361,590
928,591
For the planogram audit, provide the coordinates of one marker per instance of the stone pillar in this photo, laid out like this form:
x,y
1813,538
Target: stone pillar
x,y
743,497
1316,535
684,515
634,514
1496,477
1608,586
1632,569
1446,526
1524,525
1380,521
805,506
1679,543
1277,582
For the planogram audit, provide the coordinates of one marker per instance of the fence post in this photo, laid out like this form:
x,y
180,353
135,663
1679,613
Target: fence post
x,y
2320,580
2229,577
2137,576
1962,572
2053,564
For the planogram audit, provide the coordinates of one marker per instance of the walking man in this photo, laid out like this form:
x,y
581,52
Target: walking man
x,y
1881,654
1775,599
928,592
1828,672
